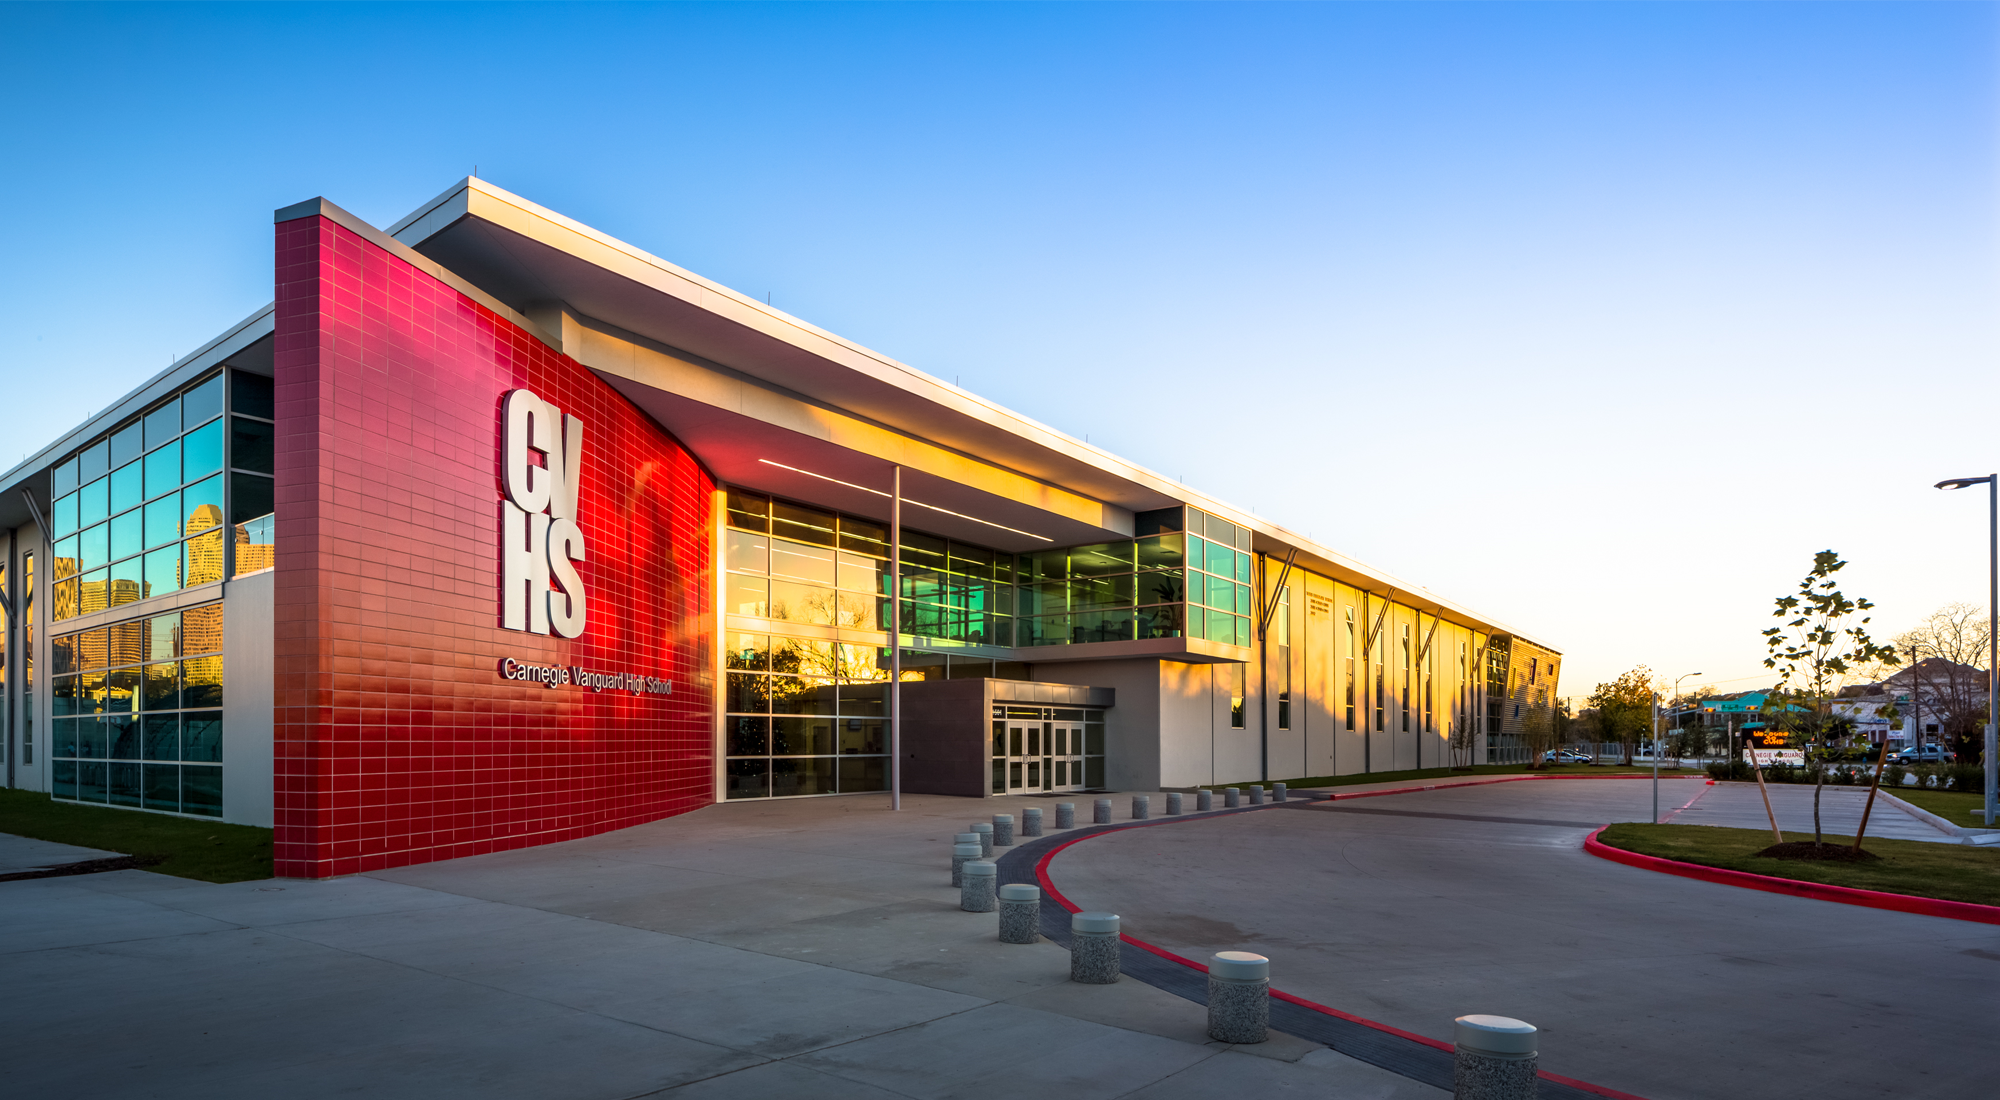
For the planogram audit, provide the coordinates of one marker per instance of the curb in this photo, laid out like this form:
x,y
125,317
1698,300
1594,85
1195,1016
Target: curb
x,y
1934,821
1050,894
1470,782
1846,895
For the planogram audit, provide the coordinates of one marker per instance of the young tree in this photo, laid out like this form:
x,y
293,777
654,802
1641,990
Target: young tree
x,y
1538,735
1948,669
1814,651
1625,708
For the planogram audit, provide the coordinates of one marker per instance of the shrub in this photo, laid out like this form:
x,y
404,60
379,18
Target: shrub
x,y
1892,776
1965,777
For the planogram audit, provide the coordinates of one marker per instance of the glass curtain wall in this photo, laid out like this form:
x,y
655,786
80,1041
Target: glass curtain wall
x,y
137,713
1218,580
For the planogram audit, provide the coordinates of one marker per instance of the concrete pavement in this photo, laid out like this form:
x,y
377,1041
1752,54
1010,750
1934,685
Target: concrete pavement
x,y
1739,806
1411,909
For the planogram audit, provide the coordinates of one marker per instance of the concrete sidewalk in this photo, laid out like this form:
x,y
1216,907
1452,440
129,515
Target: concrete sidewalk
x,y
1739,806
810,947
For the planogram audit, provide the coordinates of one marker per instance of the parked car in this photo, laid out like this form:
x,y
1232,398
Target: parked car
x,y
1928,754
1565,756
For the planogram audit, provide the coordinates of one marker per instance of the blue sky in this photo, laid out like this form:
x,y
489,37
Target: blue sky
x,y
1600,318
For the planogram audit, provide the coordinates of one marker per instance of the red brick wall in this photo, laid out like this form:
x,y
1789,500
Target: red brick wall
x,y
397,740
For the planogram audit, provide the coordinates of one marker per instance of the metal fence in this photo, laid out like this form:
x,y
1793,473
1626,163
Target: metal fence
x,y
1606,753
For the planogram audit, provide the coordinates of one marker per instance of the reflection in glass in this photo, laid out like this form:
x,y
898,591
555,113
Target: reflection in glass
x,y
749,651
864,774
793,602
202,505
121,735
749,692
747,552
121,693
256,545
801,776
163,423
163,634
201,630
160,688
748,778
744,595
202,402
62,516
799,561
747,736
163,570
204,558
126,536
802,524
201,736
798,695
128,488
163,470
802,736
163,787
201,791
93,547
250,496
201,682
161,737
163,520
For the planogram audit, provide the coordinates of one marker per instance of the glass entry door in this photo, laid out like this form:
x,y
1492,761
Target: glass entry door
x,y
1039,749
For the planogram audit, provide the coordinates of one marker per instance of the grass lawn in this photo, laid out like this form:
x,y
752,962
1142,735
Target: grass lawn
x,y
1957,807
1461,773
206,850
1951,871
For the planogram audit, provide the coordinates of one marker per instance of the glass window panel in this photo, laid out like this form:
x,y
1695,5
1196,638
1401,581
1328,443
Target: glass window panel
x,y
256,543
63,656
750,652
202,505
68,600
793,602
123,785
63,479
922,553
972,561
1243,567
802,776
62,517
163,424
201,630
201,736
127,444
163,633
66,558
204,559
746,736
1102,626
163,571
93,649
90,781
127,487
66,691
802,524
250,496
93,547
93,462
93,502
90,738
121,691
864,773
201,791
746,595
251,393
802,736
799,695
202,402
749,693
747,552
1093,772
161,737
1159,587
1161,552
1097,593
1197,622
750,511
65,742
161,687
1218,593
863,664
1044,565
163,787
65,779
91,591
802,562
121,737
859,572
804,657
863,699
163,470
127,537
1101,559
127,642
163,520
201,682
1158,622
250,444
749,779
860,536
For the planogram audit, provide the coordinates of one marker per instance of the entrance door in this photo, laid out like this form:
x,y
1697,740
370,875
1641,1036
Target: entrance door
x,y
1035,751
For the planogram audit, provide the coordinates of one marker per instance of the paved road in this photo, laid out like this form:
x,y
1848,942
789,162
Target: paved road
x,y
808,948
1740,806
1411,909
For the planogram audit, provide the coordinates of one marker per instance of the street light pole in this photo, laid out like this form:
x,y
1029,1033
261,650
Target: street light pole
x,y
1656,741
1992,483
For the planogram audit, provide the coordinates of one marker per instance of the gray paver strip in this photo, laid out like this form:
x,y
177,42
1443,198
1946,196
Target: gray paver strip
x,y
20,853
1411,921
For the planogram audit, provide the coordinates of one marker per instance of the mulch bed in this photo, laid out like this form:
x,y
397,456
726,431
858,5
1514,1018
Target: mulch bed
x,y
1806,849
87,867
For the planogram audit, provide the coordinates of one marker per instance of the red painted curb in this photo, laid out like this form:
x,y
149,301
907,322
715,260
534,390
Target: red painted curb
x,y
1846,895
1042,876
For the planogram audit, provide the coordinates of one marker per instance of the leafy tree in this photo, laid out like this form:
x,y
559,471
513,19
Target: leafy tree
x,y
1538,735
1625,708
1820,644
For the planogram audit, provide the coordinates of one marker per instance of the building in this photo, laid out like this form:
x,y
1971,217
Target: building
x,y
492,530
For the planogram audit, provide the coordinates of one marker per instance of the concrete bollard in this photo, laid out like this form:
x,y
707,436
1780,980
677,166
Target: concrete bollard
x,y
1256,795
1495,1058
1101,811
1003,830
1231,798
962,853
1031,821
1065,815
1277,792
1239,997
985,832
1173,802
1204,801
1020,913
1142,807
976,894
1093,948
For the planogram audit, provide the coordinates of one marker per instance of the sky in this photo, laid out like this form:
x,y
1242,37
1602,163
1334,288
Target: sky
x,y
1599,319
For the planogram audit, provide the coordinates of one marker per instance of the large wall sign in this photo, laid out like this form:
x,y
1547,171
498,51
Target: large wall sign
x,y
539,537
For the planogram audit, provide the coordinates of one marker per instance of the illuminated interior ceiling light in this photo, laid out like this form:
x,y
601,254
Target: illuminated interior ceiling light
x,y
907,500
